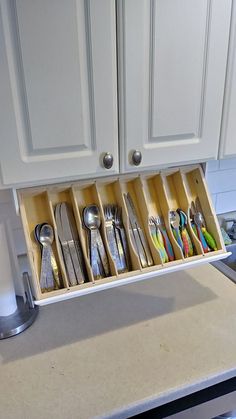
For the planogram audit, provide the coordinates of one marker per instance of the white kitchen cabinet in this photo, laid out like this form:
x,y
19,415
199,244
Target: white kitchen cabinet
x,y
58,90
228,131
172,64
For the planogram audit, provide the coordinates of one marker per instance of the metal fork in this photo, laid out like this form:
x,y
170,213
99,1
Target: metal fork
x,y
121,240
110,233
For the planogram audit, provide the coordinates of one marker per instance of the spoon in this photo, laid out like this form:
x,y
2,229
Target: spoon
x,y
92,220
187,243
37,231
45,236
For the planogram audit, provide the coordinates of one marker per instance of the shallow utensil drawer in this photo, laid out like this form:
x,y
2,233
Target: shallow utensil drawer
x,y
153,193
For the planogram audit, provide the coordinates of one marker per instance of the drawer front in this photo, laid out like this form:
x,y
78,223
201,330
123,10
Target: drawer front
x,y
152,194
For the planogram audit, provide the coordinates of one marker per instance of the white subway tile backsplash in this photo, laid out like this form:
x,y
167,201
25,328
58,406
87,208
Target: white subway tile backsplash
x,y
227,164
212,165
214,199
226,202
222,180
222,184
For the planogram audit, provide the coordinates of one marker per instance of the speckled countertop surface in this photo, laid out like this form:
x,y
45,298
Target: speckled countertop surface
x,y
122,351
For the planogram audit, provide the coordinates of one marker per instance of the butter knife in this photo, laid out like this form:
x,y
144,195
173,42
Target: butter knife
x,y
65,248
69,238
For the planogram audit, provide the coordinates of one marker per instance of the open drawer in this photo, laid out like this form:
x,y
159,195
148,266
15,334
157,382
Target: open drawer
x,y
175,243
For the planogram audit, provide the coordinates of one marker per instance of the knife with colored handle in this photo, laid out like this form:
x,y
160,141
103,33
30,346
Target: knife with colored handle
x,y
196,226
187,243
207,235
209,239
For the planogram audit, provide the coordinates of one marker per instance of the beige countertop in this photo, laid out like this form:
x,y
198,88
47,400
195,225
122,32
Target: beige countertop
x,y
122,351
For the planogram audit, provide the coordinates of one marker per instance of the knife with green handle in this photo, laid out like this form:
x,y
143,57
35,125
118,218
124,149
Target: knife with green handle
x,y
207,235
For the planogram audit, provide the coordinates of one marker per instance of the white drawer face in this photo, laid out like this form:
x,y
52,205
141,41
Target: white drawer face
x,y
148,249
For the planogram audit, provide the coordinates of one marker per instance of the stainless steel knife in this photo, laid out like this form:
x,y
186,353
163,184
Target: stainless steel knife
x,y
135,235
141,233
76,239
70,240
65,248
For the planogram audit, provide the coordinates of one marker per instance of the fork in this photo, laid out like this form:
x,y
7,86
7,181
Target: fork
x,y
121,240
157,239
163,237
110,232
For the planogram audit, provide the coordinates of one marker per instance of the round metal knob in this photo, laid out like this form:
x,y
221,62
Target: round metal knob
x,y
108,160
136,157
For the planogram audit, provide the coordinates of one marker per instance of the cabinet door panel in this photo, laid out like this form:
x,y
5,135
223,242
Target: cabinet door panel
x,y
60,74
172,60
228,142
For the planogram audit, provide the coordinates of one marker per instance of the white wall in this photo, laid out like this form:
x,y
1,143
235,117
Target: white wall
x,y
7,212
221,179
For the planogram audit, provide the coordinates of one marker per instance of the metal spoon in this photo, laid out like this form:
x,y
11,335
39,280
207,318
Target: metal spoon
x,y
92,220
46,237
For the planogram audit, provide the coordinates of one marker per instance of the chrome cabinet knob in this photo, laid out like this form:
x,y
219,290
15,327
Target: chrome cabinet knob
x,y
136,157
108,160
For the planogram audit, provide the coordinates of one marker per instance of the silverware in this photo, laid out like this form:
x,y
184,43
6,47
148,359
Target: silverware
x,y
110,233
157,239
175,224
187,242
196,226
65,247
121,240
137,235
49,275
208,236
65,220
164,236
77,241
98,257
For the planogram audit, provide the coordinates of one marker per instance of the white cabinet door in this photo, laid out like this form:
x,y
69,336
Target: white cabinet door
x,y
228,132
58,90
172,60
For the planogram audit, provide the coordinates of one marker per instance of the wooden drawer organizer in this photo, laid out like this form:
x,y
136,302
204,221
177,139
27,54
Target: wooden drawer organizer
x,y
152,193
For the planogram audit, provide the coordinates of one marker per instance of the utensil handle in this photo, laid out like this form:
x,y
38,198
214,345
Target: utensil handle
x,y
75,261
68,264
111,238
94,254
139,248
145,246
190,244
55,271
161,242
125,247
185,242
158,246
167,244
209,239
103,255
122,259
202,239
177,236
81,259
45,266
